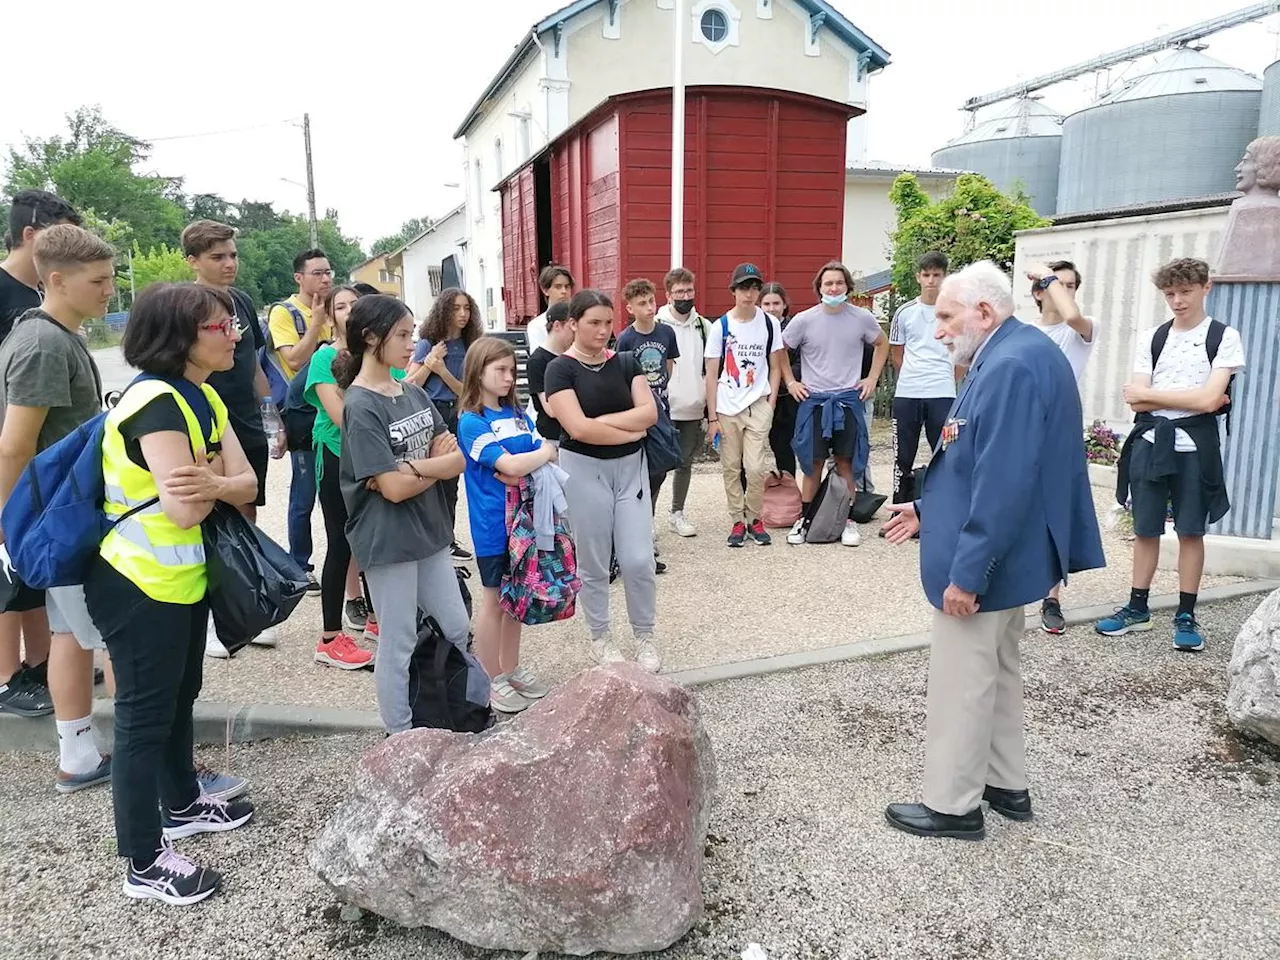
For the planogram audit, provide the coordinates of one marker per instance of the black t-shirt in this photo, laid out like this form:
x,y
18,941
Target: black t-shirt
x,y
158,416
16,298
536,369
607,390
236,386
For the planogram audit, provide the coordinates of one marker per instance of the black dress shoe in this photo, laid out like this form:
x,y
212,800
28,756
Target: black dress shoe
x,y
1014,804
917,819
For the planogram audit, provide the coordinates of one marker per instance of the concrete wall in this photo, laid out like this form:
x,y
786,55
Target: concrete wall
x,y
1116,259
447,238
869,218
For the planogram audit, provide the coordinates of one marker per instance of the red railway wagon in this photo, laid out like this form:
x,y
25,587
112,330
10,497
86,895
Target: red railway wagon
x,y
764,182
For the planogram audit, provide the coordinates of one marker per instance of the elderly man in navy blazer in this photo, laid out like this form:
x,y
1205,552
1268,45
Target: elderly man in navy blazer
x,y
1005,512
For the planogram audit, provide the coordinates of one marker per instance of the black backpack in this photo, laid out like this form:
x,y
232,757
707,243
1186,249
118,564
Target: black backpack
x,y
1212,341
438,678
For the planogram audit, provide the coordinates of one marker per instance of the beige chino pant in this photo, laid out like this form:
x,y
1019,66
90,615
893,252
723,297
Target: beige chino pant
x,y
744,445
974,709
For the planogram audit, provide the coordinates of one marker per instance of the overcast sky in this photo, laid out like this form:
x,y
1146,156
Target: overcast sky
x,y
387,83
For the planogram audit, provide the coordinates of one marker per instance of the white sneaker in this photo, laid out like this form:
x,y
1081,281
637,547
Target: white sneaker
x,y
647,653
505,698
213,647
680,526
605,649
267,638
526,684
796,536
851,537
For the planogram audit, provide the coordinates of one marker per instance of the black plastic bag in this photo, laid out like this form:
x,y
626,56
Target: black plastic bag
x,y
253,582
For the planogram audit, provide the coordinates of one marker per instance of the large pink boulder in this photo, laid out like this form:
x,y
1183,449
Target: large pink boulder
x,y
577,827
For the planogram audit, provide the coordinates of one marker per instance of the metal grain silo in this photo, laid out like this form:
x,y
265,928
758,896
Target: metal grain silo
x,y
1016,146
1176,131
1269,118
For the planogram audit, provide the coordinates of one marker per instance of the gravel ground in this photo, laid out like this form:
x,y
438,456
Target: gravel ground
x,y
715,605
1155,834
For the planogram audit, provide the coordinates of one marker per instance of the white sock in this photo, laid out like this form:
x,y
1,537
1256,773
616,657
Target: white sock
x,y
77,753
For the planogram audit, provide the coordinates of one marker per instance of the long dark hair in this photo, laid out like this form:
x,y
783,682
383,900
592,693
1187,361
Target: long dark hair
x,y
436,327
584,300
164,325
372,317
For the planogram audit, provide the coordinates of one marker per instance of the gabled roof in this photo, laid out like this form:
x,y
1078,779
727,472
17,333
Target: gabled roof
x,y
877,56
435,225
876,168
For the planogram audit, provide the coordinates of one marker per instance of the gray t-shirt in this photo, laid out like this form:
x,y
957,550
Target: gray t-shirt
x,y
831,345
43,364
378,432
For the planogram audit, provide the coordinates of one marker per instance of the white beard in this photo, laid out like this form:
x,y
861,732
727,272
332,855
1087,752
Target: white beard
x,y
964,347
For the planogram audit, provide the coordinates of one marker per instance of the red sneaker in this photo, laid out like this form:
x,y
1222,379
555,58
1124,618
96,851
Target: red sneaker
x,y
371,630
342,652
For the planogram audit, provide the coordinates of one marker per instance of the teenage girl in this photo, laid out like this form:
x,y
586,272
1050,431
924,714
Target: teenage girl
x,y
395,452
773,301
604,406
499,444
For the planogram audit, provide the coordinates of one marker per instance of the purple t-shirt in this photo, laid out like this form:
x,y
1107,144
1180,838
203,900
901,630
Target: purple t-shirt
x,y
831,345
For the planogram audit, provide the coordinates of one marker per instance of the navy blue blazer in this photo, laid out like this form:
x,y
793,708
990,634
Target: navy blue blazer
x,y
1005,507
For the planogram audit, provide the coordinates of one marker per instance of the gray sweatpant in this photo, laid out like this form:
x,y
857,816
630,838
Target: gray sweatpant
x,y
610,513
392,588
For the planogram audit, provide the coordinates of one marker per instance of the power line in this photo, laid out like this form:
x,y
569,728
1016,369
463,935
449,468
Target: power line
x,y
218,133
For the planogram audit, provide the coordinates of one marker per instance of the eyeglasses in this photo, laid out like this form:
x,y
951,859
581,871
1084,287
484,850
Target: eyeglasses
x,y
320,273
227,327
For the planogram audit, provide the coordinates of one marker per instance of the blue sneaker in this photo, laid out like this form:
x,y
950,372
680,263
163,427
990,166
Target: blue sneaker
x,y
72,782
1186,633
1124,620
220,786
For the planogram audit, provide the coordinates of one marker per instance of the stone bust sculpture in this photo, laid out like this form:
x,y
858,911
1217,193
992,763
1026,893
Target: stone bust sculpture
x,y
1251,243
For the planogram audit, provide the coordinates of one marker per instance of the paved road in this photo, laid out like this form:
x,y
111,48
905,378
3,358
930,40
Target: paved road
x,y
116,374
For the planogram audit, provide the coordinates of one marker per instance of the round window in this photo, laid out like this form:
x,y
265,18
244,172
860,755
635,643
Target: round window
x,y
715,26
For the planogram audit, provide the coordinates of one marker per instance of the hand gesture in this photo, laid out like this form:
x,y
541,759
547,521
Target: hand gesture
x,y
507,479
552,452
1037,272
903,525
866,388
798,391
444,444
434,360
959,603
195,483
317,308
1135,393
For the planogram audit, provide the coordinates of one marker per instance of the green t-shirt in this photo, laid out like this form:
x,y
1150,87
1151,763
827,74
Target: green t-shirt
x,y
326,433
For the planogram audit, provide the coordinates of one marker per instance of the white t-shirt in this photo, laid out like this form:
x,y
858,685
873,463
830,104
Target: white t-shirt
x,y
927,370
535,333
1075,347
1184,365
745,378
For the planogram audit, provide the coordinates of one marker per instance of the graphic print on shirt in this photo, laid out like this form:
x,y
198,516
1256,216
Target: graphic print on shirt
x,y
742,361
653,361
411,437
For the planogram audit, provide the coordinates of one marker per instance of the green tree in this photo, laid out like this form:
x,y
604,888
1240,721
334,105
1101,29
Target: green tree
x,y
408,230
975,222
162,264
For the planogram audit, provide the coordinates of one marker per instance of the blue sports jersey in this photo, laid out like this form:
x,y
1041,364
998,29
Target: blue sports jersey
x,y
483,438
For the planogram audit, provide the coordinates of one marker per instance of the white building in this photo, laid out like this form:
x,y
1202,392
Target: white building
x,y
590,50
422,262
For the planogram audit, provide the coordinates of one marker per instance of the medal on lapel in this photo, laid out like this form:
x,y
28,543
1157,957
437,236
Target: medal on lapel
x,y
951,431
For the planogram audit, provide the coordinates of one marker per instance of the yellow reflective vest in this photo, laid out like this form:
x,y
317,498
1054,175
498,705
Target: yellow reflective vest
x,y
160,558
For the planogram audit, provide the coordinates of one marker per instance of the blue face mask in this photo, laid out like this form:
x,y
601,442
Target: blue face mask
x,y
834,299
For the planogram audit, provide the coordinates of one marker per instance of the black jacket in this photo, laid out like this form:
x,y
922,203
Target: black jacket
x,y
1203,431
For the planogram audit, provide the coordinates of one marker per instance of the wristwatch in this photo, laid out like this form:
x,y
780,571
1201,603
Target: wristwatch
x,y
1046,281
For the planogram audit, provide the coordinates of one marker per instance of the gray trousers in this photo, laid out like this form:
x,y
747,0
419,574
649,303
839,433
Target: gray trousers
x,y
692,434
974,709
393,588
610,513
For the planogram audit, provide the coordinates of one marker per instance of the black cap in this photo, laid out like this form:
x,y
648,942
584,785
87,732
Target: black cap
x,y
744,272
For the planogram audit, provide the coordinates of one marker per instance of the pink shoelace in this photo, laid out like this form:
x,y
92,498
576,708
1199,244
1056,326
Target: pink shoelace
x,y
170,861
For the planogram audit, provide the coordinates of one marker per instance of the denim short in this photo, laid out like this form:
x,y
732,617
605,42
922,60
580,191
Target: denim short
x,y
1151,498
492,570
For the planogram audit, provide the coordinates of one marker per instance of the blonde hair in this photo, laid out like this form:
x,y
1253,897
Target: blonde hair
x,y
64,246
480,355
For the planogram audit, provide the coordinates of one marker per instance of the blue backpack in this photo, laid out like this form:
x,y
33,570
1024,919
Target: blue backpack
x,y
53,521
268,360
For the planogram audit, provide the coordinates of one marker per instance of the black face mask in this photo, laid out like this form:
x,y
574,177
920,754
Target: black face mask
x,y
683,307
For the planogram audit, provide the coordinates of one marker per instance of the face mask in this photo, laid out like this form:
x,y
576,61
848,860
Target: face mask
x,y
683,307
834,299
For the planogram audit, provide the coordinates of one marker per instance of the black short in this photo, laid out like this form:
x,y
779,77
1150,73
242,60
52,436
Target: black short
x,y
1151,498
258,458
842,442
492,570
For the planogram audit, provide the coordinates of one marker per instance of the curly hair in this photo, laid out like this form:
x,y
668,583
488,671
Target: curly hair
x,y
439,322
1185,271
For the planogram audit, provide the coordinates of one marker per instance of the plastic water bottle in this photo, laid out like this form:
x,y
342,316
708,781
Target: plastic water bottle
x,y
273,427
715,443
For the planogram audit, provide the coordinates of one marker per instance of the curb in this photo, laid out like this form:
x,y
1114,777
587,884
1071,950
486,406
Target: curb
x,y
216,723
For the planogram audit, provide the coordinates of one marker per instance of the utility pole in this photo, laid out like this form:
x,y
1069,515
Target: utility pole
x,y
311,180
677,138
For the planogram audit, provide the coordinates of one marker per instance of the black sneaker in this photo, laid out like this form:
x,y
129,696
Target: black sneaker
x,y
24,696
1051,618
313,586
172,879
206,815
659,566
460,554
758,533
614,570
357,614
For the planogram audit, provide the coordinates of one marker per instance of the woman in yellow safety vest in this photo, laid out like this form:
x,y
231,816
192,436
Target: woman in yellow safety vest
x,y
167,448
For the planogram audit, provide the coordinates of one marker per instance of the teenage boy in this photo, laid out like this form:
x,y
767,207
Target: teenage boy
x,y
831,338
24,688
210,248
1054,288
559,338
1180,379
744,365
926,377
556,284
686,389
654,345
297,327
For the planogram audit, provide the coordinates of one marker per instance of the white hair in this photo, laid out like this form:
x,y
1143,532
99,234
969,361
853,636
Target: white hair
x,y
981,282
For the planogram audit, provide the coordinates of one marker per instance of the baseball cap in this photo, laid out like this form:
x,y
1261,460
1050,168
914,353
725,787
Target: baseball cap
x,y
744,272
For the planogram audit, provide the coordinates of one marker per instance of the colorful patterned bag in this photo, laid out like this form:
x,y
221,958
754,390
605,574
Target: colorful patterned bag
x,y
540,586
